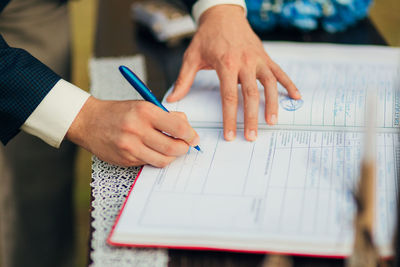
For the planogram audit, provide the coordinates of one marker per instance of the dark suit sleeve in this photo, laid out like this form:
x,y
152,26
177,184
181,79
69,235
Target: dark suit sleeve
x,y
3,4
189,4
24,82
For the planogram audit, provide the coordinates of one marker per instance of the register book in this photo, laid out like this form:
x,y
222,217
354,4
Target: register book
x,y
291,190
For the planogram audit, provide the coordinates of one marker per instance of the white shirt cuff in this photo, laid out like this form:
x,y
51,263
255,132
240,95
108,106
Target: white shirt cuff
x,y
52,118
202,5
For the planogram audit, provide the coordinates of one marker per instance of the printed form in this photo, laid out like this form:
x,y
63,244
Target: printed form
x,y
289,191
333,88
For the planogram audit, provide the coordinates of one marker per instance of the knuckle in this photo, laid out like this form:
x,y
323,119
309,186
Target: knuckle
x,y
247,59
170,149
251,120
123,144
190,56
230,97
269,81
250,92
126,125
130,127
229,61
263,80
182,115
181,129
179,116
179,82
145,109
140,108
187,55
162,162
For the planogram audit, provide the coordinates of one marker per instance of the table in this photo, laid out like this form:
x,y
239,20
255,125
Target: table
x,y
117,35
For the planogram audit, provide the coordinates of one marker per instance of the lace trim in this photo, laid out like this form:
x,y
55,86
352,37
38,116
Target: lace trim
x,y
110,186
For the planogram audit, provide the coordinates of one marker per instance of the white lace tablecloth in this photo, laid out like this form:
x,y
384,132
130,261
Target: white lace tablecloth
x,y
111,184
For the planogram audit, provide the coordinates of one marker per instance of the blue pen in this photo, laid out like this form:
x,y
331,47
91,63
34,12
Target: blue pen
x,y
142,89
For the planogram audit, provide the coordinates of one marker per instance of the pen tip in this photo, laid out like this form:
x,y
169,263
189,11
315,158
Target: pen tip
x,y
198,149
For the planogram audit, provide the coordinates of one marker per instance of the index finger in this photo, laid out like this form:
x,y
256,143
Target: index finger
x,y
284,79
185,79
176,126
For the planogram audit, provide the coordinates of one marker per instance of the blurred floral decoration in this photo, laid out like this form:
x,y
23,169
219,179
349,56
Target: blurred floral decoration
x,y
331,15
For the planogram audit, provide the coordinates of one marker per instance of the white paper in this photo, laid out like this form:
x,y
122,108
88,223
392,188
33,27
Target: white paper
x,y
287,186
290,190
333,88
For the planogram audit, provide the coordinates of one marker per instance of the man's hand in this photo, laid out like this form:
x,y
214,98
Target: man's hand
x,y
130,133
225,42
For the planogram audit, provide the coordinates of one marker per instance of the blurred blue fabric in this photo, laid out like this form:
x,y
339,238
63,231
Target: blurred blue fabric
x,y
330,15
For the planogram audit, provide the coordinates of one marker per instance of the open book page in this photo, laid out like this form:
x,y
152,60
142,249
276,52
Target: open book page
x,y
333,81
289,191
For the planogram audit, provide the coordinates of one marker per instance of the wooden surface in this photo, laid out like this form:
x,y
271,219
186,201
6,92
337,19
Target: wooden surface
x,y
117,35
385,16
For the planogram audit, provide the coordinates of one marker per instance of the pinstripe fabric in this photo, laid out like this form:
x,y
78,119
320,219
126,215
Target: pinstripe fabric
x,y
3,4
24,82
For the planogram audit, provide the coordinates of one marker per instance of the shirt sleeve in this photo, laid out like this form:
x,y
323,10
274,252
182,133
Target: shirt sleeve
x,y
202,5
54,115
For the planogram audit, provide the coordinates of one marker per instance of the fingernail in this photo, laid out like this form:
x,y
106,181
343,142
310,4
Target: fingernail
x,y
230,136
196,141
169,98
297,94
252,135
273,119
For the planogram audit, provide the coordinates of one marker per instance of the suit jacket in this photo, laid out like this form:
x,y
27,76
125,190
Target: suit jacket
x,y
3,4
189,4
24,82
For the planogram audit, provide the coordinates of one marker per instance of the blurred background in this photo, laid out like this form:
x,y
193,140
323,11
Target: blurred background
x,y
384,14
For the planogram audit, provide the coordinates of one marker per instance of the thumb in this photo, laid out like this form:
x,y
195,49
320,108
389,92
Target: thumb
x,y
184,82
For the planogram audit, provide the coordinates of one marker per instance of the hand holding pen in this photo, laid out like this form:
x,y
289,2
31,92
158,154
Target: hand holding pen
x,y
142,89
131,132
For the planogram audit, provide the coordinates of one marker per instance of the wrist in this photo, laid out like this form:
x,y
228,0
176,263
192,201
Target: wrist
x,y
203,5
223,11
77,132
